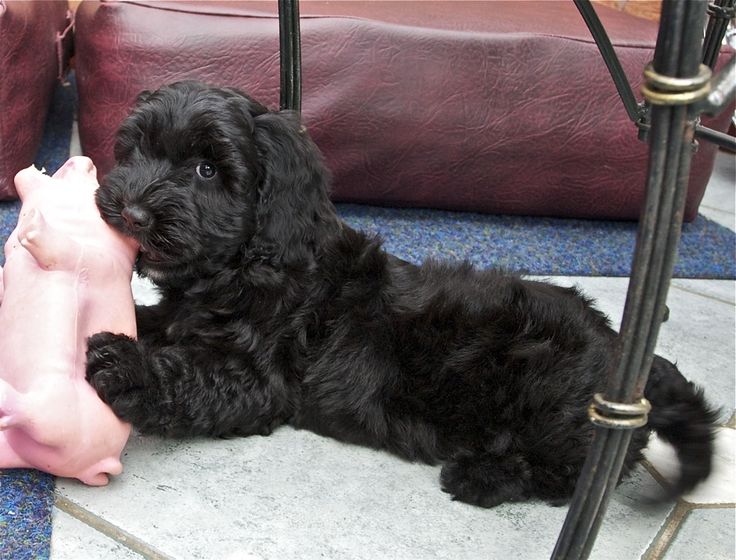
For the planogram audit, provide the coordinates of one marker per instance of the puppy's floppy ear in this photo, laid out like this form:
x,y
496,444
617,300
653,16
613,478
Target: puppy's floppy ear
x,y
243,108
126,138
293,208
142,97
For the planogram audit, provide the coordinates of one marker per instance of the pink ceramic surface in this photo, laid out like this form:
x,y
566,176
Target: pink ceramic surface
x,y
66,277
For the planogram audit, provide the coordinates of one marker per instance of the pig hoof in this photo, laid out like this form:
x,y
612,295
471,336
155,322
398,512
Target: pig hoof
x,y
99,479
5,422
97,474
31,227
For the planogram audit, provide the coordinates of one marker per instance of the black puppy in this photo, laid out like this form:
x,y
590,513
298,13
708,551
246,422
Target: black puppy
x,y
273,311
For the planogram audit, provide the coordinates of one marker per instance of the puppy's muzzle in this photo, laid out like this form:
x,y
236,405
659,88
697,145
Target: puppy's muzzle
x,y
137,219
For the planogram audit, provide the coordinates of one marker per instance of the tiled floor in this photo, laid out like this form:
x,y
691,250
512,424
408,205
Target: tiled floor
x,y
298,495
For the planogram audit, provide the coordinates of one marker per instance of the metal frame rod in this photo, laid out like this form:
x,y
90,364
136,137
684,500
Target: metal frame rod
x,y
290,55
677,55
718,138
611,60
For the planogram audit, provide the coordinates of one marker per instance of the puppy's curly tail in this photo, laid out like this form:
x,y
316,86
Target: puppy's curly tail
x,y
681,416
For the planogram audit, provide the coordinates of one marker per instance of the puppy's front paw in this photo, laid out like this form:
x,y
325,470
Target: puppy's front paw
x,y
114,367
486,481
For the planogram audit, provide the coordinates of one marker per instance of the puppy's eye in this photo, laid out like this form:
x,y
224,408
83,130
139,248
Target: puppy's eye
x,y
206,170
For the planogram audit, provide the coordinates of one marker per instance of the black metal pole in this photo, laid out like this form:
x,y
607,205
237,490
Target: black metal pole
x,y
612,62
721,12
674,82
290,55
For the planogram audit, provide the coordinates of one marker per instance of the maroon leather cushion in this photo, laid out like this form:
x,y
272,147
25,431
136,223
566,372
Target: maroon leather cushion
x,y
502,107
29,67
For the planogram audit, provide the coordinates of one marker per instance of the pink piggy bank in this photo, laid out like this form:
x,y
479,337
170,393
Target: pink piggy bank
x,y
67,276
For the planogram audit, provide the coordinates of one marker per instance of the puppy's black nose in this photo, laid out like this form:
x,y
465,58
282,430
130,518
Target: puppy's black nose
x,y
136,218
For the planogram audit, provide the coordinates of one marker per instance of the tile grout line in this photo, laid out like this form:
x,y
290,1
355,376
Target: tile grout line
x,y
671,526
696,293
722,505
111,531
716,209
675,520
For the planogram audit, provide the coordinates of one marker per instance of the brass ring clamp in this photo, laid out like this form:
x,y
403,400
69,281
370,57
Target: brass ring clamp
x,y
659,89
618,416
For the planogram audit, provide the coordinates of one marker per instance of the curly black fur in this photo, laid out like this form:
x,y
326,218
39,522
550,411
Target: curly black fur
x,y
273,311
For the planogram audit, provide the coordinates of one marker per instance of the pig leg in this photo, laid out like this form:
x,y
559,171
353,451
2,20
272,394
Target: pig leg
x,y
9,398
36,414
1,285
52,250
9,459
13,408
13,426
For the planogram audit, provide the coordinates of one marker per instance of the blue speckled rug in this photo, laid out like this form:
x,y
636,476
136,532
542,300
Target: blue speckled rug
x,y
542,246
27,496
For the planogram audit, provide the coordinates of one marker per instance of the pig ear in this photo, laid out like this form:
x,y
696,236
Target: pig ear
x,y
27,180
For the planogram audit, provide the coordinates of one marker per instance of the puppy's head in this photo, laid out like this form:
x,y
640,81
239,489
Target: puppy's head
x,y
205,176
